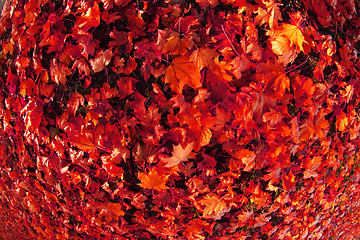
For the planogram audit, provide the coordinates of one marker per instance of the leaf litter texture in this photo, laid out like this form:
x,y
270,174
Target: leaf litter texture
x,y
195,120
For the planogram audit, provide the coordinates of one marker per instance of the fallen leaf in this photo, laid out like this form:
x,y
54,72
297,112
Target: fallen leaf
x,y
102,59
294,34
203,57
181,72
215,207
153,180
179,155
271,14
176,44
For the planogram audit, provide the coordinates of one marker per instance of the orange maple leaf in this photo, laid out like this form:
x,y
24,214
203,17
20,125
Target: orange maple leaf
x,y
311,166
282,47
203,57
180,154
83,143
176,45
153,180
275,76
321,125
115,208
341,121
31,11
269,15
294,34
215,207
181,72
306,131
288,181
247,157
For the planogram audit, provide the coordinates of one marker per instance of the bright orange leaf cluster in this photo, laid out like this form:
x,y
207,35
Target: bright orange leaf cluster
x,y
205,119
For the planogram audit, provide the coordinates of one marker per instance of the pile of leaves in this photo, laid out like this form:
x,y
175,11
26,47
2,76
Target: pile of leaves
x,y
206,119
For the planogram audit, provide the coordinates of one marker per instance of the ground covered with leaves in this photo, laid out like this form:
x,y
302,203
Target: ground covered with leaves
x,y
200,119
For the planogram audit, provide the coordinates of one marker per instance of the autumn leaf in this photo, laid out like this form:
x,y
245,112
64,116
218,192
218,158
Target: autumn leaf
x,y
115,208
102,59
282,47
272,117
153,180
311,166
196,227
206,3
82,66
90,19
76,99
294,34
306,131
215,207
120,38
247,157
27,87
179,155
271,14
288,181
122,65
83,142
275,77
258,196
113,170
176,44
273,176
59,72
321,125
205,136
203,57
181,72
341,121
31,11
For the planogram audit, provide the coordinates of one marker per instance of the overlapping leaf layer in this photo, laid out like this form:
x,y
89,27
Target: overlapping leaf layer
x,y
200,119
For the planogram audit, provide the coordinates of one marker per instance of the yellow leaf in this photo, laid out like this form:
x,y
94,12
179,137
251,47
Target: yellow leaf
x,y
282,47
294,34
205,136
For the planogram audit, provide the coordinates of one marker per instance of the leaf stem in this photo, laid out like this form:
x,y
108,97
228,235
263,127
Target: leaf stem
x,y
104,149
227,36
292,69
